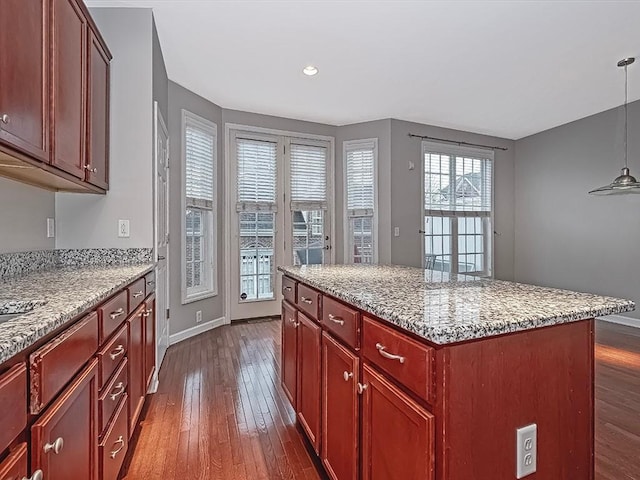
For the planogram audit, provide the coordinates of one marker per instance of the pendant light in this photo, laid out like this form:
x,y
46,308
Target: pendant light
x,y
625,183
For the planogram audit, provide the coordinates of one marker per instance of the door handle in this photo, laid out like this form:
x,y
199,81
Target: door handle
x,y
161,257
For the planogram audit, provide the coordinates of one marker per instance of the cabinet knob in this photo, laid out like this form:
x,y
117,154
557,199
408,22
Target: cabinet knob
x,y
4,118
347,375
362,388
56,446
91,169
37,475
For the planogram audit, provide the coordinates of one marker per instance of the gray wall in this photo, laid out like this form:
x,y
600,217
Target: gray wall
x,y
23,217
184,316
380,129
564,237
91,221
406,208
160,79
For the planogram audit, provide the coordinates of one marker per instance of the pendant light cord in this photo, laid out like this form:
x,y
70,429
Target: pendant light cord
x,y
626,119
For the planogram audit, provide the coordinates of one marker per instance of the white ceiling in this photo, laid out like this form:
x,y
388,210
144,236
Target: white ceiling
x,y
502,68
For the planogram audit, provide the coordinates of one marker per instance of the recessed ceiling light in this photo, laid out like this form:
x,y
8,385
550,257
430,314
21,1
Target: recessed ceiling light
x,y
310,70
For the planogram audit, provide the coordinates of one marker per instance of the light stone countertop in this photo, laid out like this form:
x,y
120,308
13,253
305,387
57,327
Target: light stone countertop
x,y
444,308
54,297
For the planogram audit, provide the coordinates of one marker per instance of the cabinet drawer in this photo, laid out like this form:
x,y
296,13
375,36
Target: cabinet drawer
x,y
113,447
111,355
112,314
136,292
308,300
15,465
289,290
54,365
405,360
13,398
112,394
150,282
342,321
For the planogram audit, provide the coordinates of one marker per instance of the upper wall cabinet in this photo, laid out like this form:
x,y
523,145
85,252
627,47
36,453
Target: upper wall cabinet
x,y
24,81
54,96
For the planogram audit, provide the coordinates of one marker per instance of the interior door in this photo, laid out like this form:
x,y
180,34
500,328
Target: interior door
x,y
162,234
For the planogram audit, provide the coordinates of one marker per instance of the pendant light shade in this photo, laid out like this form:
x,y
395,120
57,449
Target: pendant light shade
x,y
625,183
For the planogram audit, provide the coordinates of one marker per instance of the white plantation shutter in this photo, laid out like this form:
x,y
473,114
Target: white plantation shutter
x,y
308,177
200,146
360,179
256,175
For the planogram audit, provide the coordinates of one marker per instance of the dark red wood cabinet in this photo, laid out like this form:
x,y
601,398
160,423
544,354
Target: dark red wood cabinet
x,y
97,161
63,439
397,433
68,75
15,466
340,417
289,352
309,379
24,77
149,340
135,352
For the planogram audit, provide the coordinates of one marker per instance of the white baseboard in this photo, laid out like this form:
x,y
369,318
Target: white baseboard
x,y
197,330
622,320
153,388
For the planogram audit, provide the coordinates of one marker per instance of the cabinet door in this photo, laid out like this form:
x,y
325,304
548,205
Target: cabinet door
x,y
14,467
397,433
309,379
69,35
289,358
149,340
135,324
339,410
64,440
97,172
24,44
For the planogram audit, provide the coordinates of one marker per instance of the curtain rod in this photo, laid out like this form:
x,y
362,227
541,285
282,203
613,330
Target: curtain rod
x,y
425,137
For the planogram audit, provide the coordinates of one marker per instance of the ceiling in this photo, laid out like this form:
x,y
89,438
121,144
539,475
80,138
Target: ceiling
x,y
509,69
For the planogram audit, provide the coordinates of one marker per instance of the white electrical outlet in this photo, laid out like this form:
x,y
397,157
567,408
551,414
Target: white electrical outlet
x,y
526,450
396,231
198,316
123,228
51,228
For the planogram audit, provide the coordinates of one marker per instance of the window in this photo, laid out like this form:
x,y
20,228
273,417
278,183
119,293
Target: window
x,y
360,159
256,207
308,202
199,151
458,209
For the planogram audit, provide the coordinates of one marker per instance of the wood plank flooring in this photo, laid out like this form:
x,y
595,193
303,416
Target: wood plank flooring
x,y
220,413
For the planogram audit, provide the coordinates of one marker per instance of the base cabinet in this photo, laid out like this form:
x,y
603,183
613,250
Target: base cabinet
x,y
137,383
340,418
14,467
397,433
63,439
289,352
309,379
149,340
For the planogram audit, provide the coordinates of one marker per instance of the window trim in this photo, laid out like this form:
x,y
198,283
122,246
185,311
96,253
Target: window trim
x,y
211,246
454,150
346,227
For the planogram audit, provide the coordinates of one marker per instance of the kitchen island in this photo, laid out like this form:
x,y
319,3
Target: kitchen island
x,y
395,372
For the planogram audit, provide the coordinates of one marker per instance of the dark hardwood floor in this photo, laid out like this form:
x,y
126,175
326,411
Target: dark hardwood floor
x,y
220,413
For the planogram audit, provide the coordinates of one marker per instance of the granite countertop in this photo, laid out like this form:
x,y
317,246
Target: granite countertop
x,y
445,308
53,297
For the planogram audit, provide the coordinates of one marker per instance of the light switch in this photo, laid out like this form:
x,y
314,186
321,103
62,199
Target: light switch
x,y
412,165
123,228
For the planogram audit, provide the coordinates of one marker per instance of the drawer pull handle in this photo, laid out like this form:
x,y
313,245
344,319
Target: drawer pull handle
x,y
117,352
335,319
151,282
306,300
362,388
90,169
287,289
347,375
37,475
138,294
390,356
56,446
121,388
115,452
117,313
